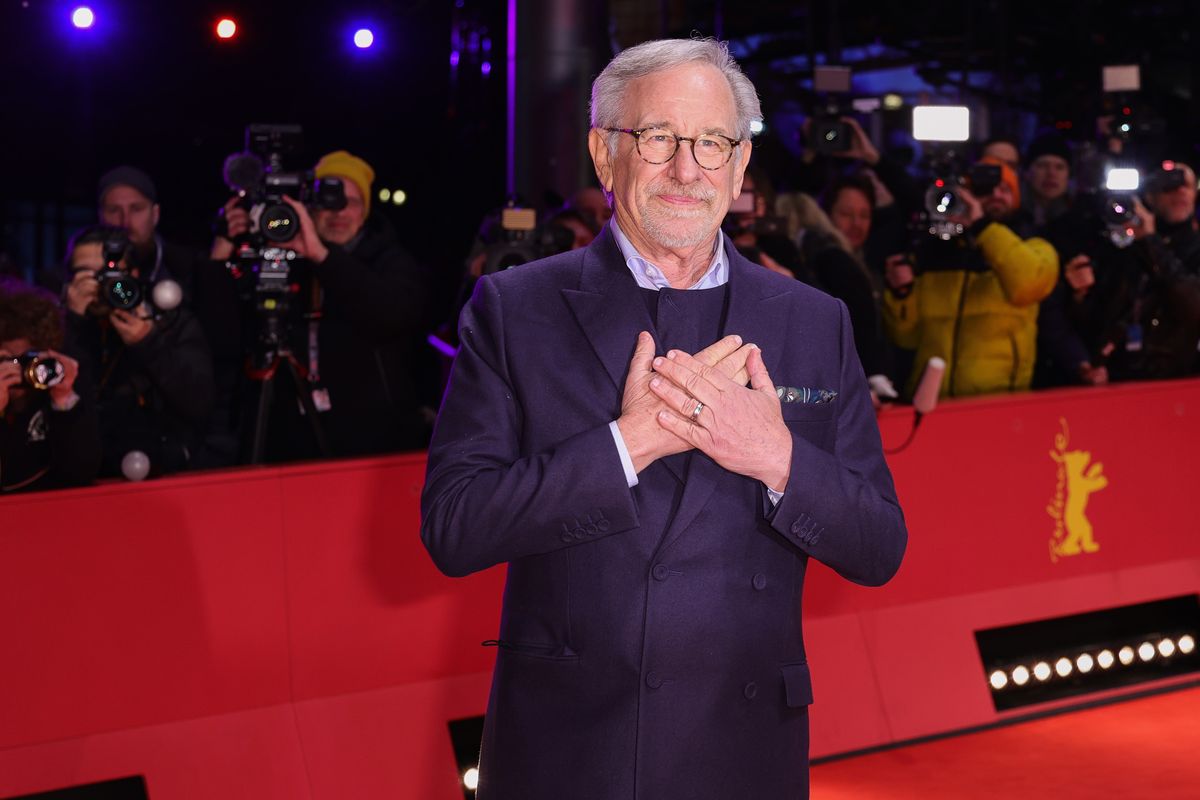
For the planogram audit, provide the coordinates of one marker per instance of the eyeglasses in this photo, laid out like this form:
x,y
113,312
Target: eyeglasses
x,y
658,146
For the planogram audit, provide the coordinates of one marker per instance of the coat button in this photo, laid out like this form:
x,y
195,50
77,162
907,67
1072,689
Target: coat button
x,y
653,680
797,527
750,690
660,572
759,581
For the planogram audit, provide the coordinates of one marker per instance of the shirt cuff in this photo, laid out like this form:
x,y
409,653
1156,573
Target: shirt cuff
x,y
773,495
69,403
631,477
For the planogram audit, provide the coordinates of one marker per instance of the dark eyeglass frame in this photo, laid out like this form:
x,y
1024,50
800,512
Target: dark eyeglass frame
x,y
636,133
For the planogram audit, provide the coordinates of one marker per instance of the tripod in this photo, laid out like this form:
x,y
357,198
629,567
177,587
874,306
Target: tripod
x,y
278,353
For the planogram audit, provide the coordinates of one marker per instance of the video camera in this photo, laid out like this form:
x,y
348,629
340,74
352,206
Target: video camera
x,y
943,126
827,132
514,237
258,176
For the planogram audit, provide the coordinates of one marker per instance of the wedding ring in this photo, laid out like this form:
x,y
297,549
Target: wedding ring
x,y
696,411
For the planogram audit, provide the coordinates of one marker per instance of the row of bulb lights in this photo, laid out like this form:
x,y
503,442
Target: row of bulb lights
x,y
1084,663
84,18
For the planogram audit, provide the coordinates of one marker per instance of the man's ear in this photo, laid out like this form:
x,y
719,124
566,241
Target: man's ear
x,y
743,162
156,212
601,158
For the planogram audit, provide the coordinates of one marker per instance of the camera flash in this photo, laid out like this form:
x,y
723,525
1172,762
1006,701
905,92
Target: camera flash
x,y
1122,179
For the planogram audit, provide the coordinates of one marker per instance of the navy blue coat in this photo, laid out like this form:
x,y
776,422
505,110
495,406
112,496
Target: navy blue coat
x,y
648,649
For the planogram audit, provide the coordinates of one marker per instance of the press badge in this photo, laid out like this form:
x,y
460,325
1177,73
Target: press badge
x,y
1133,338
321,400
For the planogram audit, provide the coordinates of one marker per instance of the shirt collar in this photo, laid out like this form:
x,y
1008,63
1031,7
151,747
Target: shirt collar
x,y
649,276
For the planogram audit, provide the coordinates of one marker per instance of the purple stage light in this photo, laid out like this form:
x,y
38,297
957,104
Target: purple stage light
x,y
363,38
486,68
454,56
83,18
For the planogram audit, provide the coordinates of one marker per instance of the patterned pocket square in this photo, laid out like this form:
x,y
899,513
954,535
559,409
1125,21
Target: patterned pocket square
x,y
805,394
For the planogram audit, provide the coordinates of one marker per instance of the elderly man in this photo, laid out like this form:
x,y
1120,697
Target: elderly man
x,y
656,513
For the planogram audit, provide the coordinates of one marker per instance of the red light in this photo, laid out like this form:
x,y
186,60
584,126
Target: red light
x,y
1127,111
939,183
226,28
1168,165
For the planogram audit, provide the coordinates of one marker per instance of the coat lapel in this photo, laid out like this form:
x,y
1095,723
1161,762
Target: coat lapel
x,y
608,306
756,308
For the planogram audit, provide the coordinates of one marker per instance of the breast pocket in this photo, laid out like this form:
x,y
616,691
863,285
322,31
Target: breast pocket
x,y
813,422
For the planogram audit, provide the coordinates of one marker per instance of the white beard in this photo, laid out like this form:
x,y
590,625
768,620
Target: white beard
x,y
662,224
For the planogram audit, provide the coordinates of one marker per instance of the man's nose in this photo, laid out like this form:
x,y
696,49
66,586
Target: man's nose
x,y
684,165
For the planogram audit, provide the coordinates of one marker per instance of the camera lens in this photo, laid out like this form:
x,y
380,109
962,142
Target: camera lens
x,y
279,223
122,291
41,372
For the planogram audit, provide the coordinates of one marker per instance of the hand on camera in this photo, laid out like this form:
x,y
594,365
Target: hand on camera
x,y
82,291
237,223
1143,222
1093,376
130,327
898,274
307,244
974,209
1079,275
10,375
861,147
60,393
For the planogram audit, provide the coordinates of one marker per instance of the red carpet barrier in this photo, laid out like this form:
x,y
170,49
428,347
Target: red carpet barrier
x,y
280,633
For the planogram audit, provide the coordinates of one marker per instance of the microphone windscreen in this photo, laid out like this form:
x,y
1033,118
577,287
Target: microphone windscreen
x,y
242,171
926,396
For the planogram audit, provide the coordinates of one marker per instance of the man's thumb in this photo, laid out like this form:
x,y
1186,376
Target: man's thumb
x,y
643,354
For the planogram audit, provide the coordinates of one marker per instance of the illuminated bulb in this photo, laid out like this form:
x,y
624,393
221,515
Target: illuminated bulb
x,y
399,197
1166,648
226,28
1125,654
1020,676
1186,644
1105,659
756,126
385,195
1085,663
83,17
1041,671
892,101
998,680
1063,667
1145,651
363,38
471,779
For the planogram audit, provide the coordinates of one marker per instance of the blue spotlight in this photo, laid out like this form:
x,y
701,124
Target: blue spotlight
x,y
83,18
363,38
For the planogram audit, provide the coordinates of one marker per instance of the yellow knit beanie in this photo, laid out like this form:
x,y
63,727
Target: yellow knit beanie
x,y
342,164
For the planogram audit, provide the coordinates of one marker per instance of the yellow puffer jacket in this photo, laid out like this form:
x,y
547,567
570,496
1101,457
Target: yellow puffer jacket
x,y
984,324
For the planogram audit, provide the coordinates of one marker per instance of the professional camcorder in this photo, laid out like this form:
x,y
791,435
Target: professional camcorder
x,y
39,371
258,176
827,131
514,238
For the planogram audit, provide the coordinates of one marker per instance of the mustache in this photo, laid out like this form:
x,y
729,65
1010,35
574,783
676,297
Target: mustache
x,y
694,191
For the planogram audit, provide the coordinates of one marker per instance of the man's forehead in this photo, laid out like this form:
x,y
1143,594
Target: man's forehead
x,y
88,254
124,195
693,95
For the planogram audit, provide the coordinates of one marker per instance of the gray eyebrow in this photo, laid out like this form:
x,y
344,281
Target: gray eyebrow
x,y
667,126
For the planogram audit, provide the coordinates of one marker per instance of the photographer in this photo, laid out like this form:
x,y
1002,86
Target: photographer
x,y
974,301
360,337
1047,181
127,198
49,435
153,374
1171,195
1126,308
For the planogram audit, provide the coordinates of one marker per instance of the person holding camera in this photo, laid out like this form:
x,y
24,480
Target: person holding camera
x,y
49,433
361,335
153,373
1171,195
973,299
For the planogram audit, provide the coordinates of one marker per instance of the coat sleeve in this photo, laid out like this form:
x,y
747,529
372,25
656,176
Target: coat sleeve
x,y
841,508
176,357
385,298
485,501
1027,268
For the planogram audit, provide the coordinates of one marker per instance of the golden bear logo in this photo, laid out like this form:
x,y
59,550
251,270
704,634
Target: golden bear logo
x,y
1078,478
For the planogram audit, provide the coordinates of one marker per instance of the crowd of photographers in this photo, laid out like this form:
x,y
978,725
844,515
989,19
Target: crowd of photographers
x,y
304,331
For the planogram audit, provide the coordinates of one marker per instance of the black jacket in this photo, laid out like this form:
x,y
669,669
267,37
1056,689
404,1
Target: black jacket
x,y
154,396
41,448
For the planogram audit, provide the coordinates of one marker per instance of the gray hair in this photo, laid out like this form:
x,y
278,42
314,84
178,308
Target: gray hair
x,y
609,88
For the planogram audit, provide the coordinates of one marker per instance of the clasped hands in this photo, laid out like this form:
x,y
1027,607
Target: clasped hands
x,y
740,427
